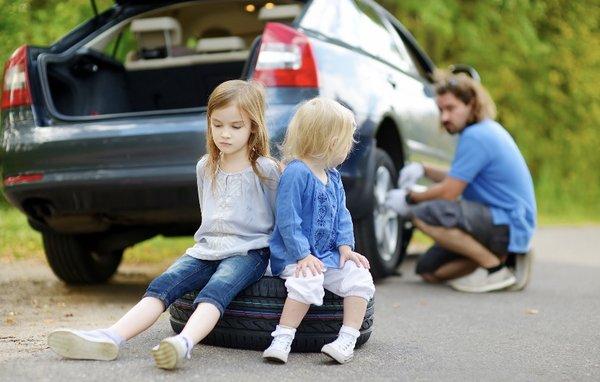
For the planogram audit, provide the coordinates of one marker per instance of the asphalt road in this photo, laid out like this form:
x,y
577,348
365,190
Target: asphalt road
x,y
550,331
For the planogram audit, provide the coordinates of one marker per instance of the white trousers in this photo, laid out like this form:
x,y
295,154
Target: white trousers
x,y
347,281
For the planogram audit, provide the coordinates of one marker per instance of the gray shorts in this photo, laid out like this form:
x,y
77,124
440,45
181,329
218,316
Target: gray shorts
x,y
470,217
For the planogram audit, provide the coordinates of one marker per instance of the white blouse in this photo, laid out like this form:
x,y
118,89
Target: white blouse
x,y
238,214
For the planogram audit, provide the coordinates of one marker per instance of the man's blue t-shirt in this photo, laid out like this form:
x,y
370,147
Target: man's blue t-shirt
x,y
488,159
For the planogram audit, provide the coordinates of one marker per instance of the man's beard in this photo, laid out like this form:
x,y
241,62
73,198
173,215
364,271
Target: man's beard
x,y
448,128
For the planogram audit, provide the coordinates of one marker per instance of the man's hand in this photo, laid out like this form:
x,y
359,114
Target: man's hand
x,y
311,263
410,174
396,201
348,254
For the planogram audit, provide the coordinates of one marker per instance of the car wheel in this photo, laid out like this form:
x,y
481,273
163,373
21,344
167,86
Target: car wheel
x,y
253,314
74,263
382,236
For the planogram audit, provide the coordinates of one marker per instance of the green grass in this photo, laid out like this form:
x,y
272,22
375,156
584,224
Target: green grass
x,y
158,249
18,241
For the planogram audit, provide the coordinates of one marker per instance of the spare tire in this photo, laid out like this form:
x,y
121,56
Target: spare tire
x,y
251,317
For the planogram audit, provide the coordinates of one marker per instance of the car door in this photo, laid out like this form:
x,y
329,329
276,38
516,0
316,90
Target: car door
x,y
415,103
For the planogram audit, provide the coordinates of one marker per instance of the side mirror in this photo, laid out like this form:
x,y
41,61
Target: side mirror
x,y
468,70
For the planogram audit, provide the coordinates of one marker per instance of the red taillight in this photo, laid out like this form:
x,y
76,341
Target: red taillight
x,y
15,91
20,179
285,58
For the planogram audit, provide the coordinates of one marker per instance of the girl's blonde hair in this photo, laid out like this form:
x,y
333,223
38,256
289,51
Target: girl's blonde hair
x,y
249,97
322,130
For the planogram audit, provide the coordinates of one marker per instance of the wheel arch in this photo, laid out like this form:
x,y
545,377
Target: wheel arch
x,y
388,138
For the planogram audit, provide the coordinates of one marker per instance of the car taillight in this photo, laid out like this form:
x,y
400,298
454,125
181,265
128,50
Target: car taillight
x,y
15,90
285,58
21,179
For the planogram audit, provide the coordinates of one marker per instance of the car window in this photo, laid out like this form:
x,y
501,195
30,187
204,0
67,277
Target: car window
x,y
359,25
334,19
120,45
412,65
378,39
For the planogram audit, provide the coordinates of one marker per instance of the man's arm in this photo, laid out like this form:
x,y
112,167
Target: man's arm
x,y
449,188
435,174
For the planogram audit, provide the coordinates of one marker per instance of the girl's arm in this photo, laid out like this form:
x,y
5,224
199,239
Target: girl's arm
x,y
288,213
200,170
273,173
345,231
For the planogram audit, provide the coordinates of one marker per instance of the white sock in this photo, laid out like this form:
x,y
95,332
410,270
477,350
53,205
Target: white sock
x,y
282,330
105,334
350,333
189,345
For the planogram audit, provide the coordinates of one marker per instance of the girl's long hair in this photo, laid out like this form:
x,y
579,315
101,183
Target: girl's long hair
x,y
249,97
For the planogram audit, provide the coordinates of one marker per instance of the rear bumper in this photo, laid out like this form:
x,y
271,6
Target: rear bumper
x,y
164,197
94,201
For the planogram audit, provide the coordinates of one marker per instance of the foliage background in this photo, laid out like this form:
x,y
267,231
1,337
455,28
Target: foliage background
x,y
540,60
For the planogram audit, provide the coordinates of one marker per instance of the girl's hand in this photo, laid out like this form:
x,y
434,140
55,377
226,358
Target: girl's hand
x,y
347,254
311,263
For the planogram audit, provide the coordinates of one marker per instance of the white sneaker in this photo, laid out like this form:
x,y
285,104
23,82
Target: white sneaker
x,y
341,350
281,345
171,352
480,281
522,271
79,344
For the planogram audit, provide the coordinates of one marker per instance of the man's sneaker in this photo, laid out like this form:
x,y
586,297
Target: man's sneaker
x,y
480,281
521,267
341,350
79,344
171,352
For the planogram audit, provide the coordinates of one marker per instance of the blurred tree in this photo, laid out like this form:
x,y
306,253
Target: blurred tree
x,y
40,22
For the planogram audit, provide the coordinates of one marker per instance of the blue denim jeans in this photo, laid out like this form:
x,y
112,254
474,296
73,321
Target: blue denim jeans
x,y
219,281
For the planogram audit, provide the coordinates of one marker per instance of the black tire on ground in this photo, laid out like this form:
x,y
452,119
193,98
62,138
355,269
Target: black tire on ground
x,y
252,316
382,264
74,263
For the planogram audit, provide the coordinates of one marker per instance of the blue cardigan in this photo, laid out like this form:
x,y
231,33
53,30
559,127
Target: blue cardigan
x,y
310,218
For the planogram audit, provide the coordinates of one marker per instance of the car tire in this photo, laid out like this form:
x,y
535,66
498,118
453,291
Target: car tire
x,y
252,316
382,236
74,263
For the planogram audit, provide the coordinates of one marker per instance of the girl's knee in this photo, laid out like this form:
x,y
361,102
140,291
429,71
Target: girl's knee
x,y
307,290
356,281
